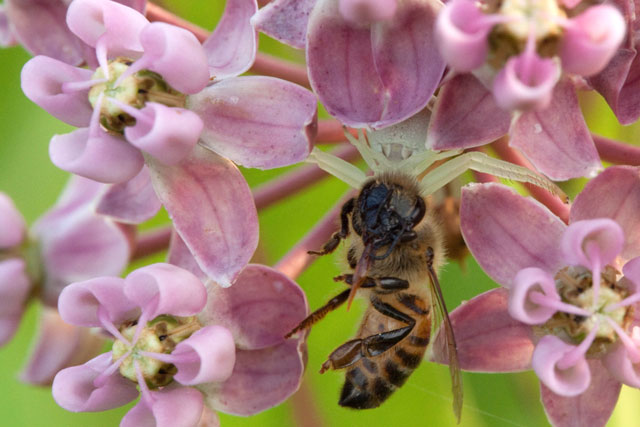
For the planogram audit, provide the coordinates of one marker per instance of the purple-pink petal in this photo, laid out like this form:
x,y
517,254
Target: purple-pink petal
x,y
261,307
14,291
487,337
285,20
465,115
604,232
78,194
257,121
131,202
365,12
615,194
46,81
74,389
212,209
180,255
206,356
231,48
165,289
261,379
59,345
13,227
7,37
175,407
620,366
556,140
591,408
507,232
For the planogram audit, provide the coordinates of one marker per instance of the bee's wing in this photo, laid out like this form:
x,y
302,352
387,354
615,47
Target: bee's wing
x,y
441,317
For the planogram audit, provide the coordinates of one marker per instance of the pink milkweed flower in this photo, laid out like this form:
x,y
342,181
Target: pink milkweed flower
x,y
168,342
567,310
508,58
70,242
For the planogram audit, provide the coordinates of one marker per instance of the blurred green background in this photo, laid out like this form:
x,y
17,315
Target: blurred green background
x,y
28,176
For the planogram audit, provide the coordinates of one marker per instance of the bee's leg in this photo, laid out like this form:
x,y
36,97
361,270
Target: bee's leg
x,y
333,242
382,285
352,351
319,314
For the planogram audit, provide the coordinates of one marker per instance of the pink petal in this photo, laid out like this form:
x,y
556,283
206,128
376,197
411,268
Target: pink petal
x,y
285,20
556,140
631,271
461,34
180,255
95,155
366,12
621,367
507,232
168,134
261,379
231,48
210,354
165,289
222,232
209,418
257,121
176,55
520,305
605,232
488,338
117,25
615,194
591,408
74,389
177,407
526,82
465,115
13,226
130,202
43,81
261,307
591,39
567,382
82,303
59,345
80,246
377,76
14,291
7,38
78,194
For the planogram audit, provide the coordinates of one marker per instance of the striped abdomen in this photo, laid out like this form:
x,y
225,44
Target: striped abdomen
x,y
371,380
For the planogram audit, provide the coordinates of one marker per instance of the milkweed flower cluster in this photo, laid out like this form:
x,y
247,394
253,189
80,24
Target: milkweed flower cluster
x,y
165,116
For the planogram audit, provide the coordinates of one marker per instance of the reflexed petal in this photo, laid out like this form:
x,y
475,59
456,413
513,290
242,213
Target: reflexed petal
x,y
231,48
261,379
74,389
620,366
130,202
43,81
78,194
179,255
176,55
98,156
285,20
117,25
165,289
591,408
565,382
465,115
58,346
81,303
261,307
212,354
631,271
365,12
80,246
168,134
7,38
520,305
615,194
14,291
178,407
257,121
591,39
556,140
605,232
13,227
487,337
507,232
222,233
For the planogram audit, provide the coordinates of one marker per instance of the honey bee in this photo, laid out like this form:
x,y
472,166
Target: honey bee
x,y
394,253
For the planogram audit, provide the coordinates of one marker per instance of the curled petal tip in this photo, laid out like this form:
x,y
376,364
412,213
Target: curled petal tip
x,y
520,305
604,232
571,381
